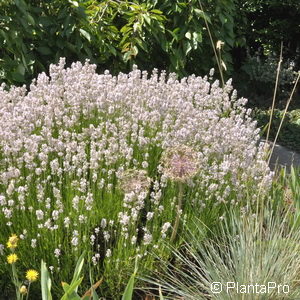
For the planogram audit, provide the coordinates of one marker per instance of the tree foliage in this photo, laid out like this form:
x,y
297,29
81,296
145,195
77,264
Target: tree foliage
x,y
115,34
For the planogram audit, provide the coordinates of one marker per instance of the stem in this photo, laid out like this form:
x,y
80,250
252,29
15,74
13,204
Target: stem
x,y
283,116
16,281
28,290
213,45
275,92
180,196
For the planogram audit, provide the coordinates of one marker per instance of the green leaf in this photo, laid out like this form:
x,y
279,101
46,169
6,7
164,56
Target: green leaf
x,y
112,49
200,13
130,285
70,293
188,35
21,69
30,19
78,269
44,50
160,294
45,282
147,19
95,295
18,77
5,18
197,36
187,47
46,21
75,3
129,288
65,286
156,11
85,34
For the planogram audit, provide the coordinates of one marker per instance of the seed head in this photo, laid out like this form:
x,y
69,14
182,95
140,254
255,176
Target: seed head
x,y
12,242
180,163
135,181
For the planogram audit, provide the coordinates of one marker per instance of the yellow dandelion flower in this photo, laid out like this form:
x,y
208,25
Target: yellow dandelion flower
x,y
12,258
12,241
23,290
32,275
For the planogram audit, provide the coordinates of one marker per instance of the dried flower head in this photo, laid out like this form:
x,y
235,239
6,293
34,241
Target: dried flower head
x,y
180,163
32,275
12,242
136,181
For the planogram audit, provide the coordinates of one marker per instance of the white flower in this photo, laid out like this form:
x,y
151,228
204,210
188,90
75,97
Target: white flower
x,y
39,214
33,243
57,252
150,215
103,223
147,238
108,253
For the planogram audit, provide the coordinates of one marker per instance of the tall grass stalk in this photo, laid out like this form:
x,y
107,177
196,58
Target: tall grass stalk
x,y
275,92
218,59
284,114
260,204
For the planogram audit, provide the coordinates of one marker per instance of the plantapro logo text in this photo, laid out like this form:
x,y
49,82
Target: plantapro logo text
x,y
235,287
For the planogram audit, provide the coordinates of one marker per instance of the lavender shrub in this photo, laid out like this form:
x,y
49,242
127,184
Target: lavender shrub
x,y
82,167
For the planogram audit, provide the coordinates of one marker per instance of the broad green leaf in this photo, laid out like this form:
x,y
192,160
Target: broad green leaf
x,y
112,49
5,18
202,14
130,285
74,285
65,286
75,3
129,288
70,293
78,269
30,19
85,34
147,19
21,69
197,36
188,35
156,11
187,47
44,50
18,77
45,282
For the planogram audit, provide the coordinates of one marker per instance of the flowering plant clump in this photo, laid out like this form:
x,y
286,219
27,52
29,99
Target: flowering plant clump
x,y
87,162
12,258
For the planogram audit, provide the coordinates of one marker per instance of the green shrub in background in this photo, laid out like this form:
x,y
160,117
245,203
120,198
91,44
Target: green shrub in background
x,y
114,34
290,132
267,23
169,35
35,33
261,74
